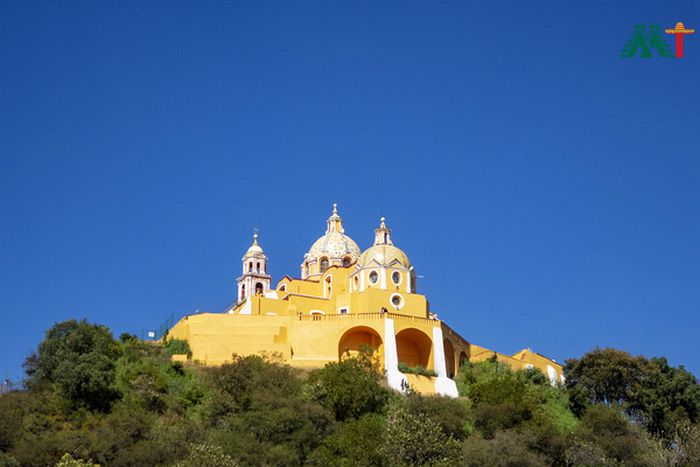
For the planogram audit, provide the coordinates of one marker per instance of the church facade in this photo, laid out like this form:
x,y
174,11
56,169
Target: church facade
x,y
345,300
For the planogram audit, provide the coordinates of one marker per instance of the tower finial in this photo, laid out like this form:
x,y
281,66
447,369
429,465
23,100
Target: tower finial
x,y
255,236
382,234
335,222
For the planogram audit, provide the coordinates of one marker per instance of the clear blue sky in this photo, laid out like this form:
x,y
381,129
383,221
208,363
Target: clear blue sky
x,y
547,190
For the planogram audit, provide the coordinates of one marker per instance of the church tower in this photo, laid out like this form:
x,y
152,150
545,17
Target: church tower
x,y
255,280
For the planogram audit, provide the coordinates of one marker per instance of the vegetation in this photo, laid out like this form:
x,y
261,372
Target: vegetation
x,y
416,370
94,400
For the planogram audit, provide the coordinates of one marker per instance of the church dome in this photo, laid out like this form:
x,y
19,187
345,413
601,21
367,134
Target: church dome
x,y
334,245
333,248
383,252
384,255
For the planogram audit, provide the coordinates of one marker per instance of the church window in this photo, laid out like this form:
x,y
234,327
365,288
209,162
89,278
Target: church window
x,y
373,277
357,281
396,300
250,267
396,277
258,267
243,292
324,265
258,288
346,262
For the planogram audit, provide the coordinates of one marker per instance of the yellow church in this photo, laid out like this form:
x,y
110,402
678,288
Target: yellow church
x,y
346,299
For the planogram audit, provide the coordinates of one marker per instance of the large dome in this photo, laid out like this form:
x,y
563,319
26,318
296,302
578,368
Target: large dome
x,y
334,245
333,248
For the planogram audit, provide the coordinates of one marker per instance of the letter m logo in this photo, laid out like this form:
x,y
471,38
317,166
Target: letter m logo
x,y
643,40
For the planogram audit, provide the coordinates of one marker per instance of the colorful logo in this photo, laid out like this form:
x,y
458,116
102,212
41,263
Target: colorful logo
x,y
645,39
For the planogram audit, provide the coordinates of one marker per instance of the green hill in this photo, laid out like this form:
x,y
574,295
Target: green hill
x,y
90,399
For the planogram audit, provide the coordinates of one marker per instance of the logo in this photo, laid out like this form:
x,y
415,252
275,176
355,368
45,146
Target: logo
x,y
646,39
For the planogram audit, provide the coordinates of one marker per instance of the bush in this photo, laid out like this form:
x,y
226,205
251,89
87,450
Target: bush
x,y
79,358
349,389
416,370
178,347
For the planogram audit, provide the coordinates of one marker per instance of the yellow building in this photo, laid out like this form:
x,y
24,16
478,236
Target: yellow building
x,y
345,299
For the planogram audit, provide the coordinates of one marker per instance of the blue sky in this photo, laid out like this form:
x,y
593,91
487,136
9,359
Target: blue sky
x,y
547,190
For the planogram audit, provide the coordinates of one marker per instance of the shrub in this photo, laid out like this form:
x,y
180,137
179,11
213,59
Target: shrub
x,y
177,347
416,370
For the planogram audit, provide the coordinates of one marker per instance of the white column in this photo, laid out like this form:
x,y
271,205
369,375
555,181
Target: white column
x,y
394,377
444,386
382,279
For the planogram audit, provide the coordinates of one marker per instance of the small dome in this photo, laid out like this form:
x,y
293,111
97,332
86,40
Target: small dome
x,y
334,243
384,255
255,249
383,252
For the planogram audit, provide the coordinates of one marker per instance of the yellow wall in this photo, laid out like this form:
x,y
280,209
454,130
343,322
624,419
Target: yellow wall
x,y
304,327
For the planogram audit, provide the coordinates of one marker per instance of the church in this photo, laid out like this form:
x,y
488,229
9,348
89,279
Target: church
x,y
345,300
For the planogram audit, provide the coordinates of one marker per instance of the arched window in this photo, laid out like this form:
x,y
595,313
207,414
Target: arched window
x,y
346,262
243,292
250,266
324,265
258,288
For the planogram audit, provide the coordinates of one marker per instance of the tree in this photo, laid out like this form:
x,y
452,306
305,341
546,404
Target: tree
x,y
79,358
656,395
349,389
356,442
417,440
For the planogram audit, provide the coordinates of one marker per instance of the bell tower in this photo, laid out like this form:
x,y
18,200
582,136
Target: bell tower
x,y
254,280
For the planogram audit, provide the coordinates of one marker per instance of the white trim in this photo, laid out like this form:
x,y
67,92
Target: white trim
x,y
382,279
394,378
444,386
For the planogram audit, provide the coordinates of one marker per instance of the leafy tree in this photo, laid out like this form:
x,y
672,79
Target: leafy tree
x,y
653,393
79,358
417,440
451,415
207,455
68,461
349,389
356,442
505,449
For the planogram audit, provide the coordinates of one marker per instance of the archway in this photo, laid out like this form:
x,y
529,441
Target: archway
x,y
355,339
413,348
463,358
258,288
449,358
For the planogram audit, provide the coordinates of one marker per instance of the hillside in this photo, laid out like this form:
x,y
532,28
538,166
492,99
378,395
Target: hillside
x,y
92,399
